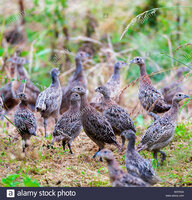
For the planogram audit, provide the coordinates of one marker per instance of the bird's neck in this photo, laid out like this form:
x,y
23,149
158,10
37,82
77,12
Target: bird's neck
x,y
84,102
79,67
23,104
131,144
116,73
55,81
75,106
143,71
174,108
179,75
144,76
113,168
106,97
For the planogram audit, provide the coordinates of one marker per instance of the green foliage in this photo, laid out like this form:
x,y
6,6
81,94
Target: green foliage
x,y
139,120
10,180
26,181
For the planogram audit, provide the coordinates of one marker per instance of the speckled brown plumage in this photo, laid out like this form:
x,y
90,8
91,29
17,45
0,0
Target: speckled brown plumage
x,y
136,165
95,125
16,35
115,114
113,84
20,74
69,125
77,79
160,133
49,101
24,120
175,87
117,176
150,98
9,102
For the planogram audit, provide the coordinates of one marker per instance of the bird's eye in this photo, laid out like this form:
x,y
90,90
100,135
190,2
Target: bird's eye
x,y
137,58
180,95
105,151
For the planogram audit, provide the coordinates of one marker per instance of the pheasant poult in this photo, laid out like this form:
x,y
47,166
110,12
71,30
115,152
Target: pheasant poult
x,y
69,125
136,165
160,133
49,101
150,98
95,125
176,86
77,79
16,35
115,114
24,120
113,85
117,176
17,86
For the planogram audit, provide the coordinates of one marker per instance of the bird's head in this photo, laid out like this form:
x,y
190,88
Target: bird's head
x,y
120,64
138,61
128,135
106,154
21,96
82,55
79,90
179,97
103,90
55,72
75,97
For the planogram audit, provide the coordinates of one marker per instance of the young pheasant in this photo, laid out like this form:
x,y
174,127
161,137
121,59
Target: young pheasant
x,y
136,165
77,79
115,114
176,86
117,176
95,125
17,86
113,85
24,120
160,133
150,98
49,101
69,125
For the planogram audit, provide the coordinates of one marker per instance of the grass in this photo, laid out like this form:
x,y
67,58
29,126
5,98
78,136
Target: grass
x,y
41,166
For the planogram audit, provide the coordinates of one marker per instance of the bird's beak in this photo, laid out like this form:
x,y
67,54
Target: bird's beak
x,y
34,134
186,96
132,61
98,154
96,90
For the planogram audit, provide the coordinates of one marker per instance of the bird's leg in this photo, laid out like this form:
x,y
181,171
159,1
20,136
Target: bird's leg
x,y
155,116
123,141
163,156
63,143
50,145
69,145
24,145
45,126
155,157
